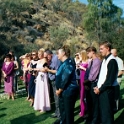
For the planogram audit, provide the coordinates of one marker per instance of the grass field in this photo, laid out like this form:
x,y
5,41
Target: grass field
x,y
19,112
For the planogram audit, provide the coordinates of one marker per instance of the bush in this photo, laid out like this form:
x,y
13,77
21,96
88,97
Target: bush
x,y
58,35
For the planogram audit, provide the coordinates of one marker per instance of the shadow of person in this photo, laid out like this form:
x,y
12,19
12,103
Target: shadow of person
x,y
77,108
1,102
31,118
1,109
80,120
2,115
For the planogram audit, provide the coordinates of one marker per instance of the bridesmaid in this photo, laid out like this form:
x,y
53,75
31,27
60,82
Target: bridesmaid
x,y
82,66
8,73
31,87
26,74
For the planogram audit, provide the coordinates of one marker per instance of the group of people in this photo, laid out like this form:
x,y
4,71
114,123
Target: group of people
x,y
96,78
99,78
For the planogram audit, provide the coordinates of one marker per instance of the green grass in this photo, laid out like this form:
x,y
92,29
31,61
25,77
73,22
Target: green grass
x,y
19,112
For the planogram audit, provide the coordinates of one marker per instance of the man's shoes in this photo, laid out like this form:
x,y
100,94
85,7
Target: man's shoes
x,y
57,121
53,116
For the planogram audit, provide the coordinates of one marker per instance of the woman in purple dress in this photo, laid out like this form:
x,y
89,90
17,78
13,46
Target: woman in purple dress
x,y
8,73
82,66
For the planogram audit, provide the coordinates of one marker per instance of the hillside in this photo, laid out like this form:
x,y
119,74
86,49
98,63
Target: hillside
x,y
29,24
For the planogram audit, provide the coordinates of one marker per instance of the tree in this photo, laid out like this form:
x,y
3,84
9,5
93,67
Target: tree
x,y
102,20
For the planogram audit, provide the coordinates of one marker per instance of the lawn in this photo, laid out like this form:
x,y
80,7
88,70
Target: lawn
x,y
19,111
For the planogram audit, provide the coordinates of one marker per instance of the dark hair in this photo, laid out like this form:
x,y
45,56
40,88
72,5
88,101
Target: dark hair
x,y
89,49
13,57
107,45
48,52
11,51
66,49
8,56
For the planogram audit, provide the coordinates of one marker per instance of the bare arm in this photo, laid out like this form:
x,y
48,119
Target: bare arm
x,y
17,65
82,68
120,72
51,71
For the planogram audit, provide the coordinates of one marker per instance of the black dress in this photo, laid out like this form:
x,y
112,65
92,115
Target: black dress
x,y
31,82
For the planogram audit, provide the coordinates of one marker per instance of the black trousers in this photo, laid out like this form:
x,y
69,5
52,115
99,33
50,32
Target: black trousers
x,y
92,104
106,103
66,105
15,83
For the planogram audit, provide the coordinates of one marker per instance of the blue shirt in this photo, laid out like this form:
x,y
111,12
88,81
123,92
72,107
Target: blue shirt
x,y
66,78
54,64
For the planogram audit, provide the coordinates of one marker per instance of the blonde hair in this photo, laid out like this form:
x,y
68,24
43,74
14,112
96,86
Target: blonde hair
x,y
83,55
41,51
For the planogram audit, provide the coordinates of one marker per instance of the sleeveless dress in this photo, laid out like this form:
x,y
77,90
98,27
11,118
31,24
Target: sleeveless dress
x,y
82,90
32,83
42,100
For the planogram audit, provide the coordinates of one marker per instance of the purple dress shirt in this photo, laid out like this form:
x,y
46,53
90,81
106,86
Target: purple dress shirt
x,y
94,71
54,64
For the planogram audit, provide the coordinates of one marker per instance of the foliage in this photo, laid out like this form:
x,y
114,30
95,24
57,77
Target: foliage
x,y
118,42
72,10
19,29
102,19
103,22
58,35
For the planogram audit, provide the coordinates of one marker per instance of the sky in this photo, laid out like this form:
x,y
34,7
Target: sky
x,y
119,3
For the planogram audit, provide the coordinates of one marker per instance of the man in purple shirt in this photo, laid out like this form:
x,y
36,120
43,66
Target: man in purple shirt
x,y
90,82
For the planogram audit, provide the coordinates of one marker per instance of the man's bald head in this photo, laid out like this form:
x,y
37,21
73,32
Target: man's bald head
x,y
114,52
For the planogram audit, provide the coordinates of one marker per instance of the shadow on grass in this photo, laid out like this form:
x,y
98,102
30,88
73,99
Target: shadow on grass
x,y
1,102
3,109
30,119
80,120
120,119
33,118
2,115
77,108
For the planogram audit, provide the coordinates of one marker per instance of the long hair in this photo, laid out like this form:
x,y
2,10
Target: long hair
x,y
83,55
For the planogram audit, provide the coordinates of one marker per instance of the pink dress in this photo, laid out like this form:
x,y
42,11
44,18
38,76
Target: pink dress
x,y
9,80
82,90
42,99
